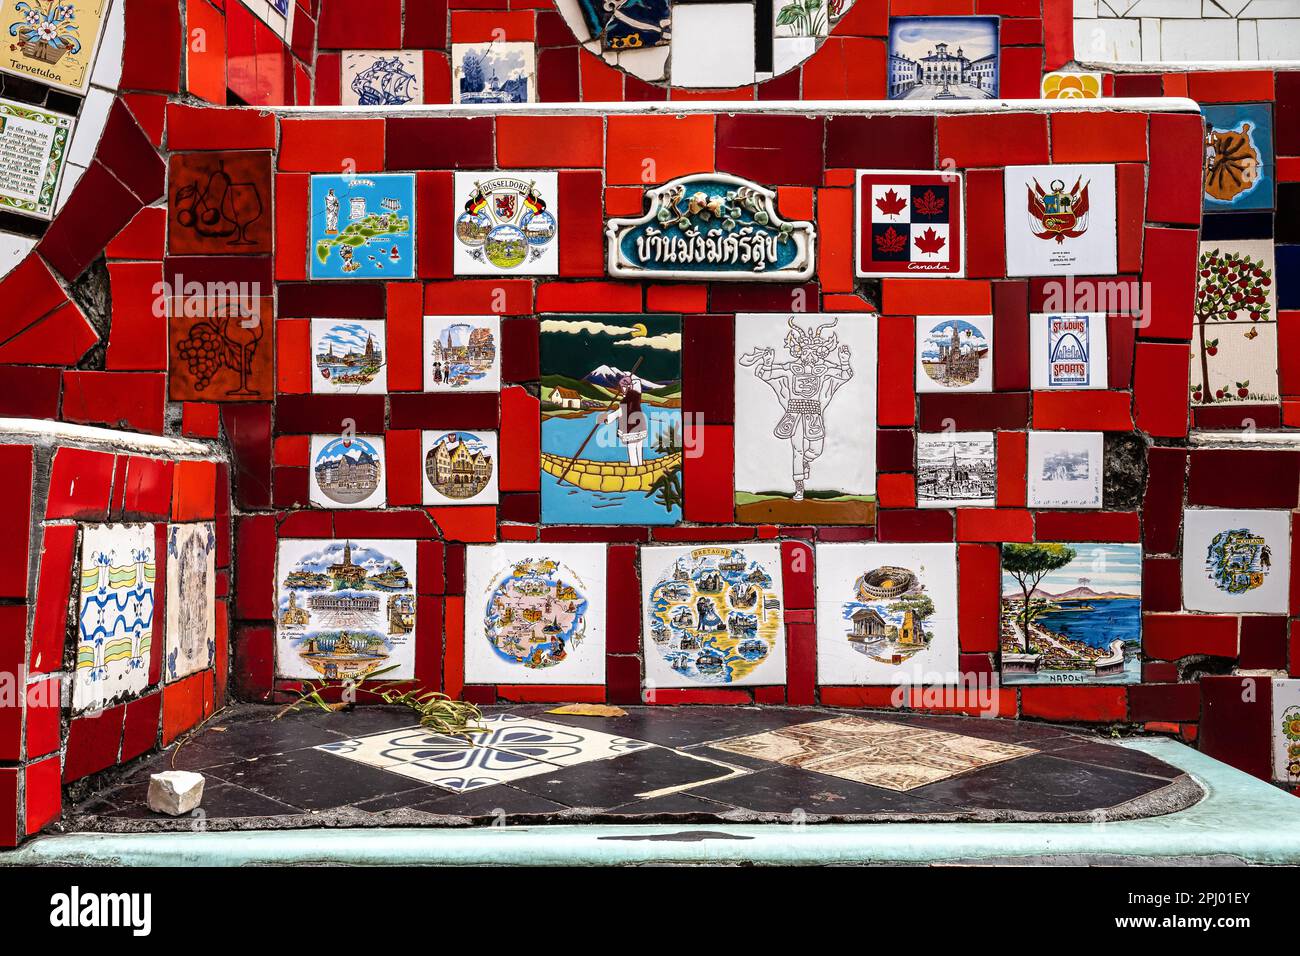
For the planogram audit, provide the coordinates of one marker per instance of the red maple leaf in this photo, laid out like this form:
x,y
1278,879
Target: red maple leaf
x,y
930,243
928,204
890,241
890,203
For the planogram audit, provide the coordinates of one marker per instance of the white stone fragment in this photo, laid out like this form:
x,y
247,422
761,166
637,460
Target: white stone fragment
x,y
175,792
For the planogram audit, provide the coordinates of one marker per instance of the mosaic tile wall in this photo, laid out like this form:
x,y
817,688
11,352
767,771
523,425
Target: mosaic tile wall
x,y
1185,31
430,318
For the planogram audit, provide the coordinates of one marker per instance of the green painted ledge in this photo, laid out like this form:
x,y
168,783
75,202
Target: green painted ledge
x,y
1242,819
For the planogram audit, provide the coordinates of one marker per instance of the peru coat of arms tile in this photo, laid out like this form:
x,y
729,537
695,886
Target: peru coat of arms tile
x,y
1060,220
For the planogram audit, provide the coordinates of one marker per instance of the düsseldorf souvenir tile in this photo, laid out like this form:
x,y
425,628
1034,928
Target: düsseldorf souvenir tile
x,y
506,223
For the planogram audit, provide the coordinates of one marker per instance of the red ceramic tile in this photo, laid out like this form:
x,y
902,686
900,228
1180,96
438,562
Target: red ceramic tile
x,y
293,350
93,743
1169,271
151,59
44,796
1058,33
182,707
601,83
44,728
133,401
80,483
801,664
835,216
255,570
1173,636
61,338
1022,31
1020,72
1162,506
478,297
846,68
797,574
205,61
623,596
403,453
54,583
1263,643
1130,207
331,145
425,25
1088,525
896,366
9,830
1235,722
15,518
709,477
876,697
1274,477
405,345
140,730
1099,137
1160,388
29,292
147,489
1139,84
1164,702
570,142
994,524
200,420
1237,86
1174,193
307,414
521,420
869,18
143,237
440,142
896,491
291,215
99,207
582,244
126,151
654,149
671,697
1099,410
936,297
1098,705
339,26
914,525
895,449
139,339
999,411
1012,455
986,254
774,150
1011,331
443,410
993,139
1121,333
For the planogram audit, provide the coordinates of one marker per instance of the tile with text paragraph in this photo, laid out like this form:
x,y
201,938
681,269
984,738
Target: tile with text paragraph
x,y
943,58
612,443
713,615
1235,337
349,357
1060,220
954,353
1286,730
382,77
345,608
1071,613
460,467
462,353
1067,351
33,148
887,614
115,614
805,389
347,471
362,227
54,42
535,614
1238,157
507,223
1065,469
956,469
910,223
191,632
1236,562
219,203
875,752
495,72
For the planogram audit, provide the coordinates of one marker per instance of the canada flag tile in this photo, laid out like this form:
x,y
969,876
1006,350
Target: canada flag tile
x,y
1060,220
910,223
